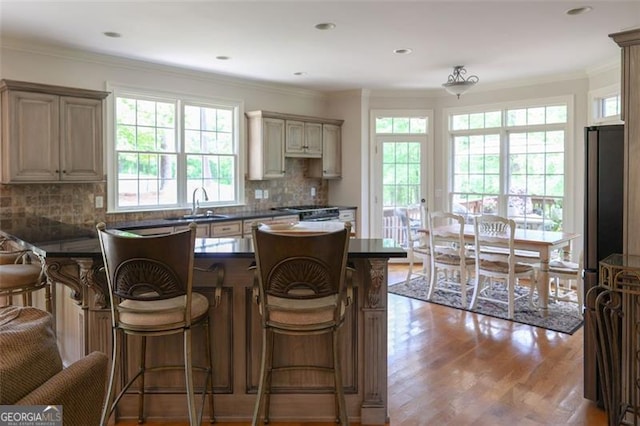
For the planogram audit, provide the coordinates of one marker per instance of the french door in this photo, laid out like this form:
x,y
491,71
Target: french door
x,y
402,162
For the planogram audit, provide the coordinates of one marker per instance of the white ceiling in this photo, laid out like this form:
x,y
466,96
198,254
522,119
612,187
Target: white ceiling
x,y
270,41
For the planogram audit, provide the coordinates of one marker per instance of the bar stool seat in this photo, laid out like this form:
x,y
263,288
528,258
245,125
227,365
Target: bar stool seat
x,y
19,277
15,276
165,312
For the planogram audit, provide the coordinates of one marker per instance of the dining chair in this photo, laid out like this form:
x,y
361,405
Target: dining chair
x,y
449,254
150,280
496,262
417,243
21,274
302,288
562,274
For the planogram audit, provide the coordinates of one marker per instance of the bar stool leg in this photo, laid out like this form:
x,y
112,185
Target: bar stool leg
x,y
209,377
263,379
341,408
188,370
143,364
107,409
269,375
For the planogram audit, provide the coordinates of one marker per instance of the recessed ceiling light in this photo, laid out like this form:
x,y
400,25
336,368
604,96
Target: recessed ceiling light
x,y
112,34
300,73
223,58
402,51
325,26
579,10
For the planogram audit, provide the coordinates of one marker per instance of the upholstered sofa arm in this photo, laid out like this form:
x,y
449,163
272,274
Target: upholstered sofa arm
x,y
79,388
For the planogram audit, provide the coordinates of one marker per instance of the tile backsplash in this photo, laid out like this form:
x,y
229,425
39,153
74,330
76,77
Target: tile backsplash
x,y
74,203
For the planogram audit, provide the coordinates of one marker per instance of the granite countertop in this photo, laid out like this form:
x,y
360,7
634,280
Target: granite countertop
x,y
54,239
218,248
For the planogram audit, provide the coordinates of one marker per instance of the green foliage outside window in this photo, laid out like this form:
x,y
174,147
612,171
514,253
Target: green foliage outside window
x,y
148,152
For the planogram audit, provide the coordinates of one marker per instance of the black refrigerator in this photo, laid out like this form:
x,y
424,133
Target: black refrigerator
x,y
604,168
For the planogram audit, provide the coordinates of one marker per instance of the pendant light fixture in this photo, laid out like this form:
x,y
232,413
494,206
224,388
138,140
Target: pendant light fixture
x,y
456,83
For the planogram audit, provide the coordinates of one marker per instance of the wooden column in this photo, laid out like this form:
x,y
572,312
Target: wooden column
x,y
629,41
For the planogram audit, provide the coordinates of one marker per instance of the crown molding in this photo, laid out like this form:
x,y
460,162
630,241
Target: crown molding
x,y
612,64
57,51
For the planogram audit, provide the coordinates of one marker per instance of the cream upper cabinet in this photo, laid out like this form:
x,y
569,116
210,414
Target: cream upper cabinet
x,y
330,165
274,135
50,133
303,139
81,145
265,146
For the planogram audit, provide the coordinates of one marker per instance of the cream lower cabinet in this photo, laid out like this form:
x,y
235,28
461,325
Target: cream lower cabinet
x,y
226,229
50,133
202,230
215,229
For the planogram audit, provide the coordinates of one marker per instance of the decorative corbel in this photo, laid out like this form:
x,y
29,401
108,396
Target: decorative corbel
x,y
377,276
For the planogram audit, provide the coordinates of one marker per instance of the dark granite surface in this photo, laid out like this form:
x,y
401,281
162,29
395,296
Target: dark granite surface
x,y
35,230
55,239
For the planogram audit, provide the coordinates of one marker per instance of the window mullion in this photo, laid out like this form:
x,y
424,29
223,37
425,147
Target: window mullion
x,y
181,171
504,172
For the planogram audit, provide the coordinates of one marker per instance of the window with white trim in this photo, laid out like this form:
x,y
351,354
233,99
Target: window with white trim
x,y
605,105
167,146
510,161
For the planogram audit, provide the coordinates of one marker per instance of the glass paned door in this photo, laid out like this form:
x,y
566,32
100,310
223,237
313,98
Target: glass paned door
x,y
401,144
401,188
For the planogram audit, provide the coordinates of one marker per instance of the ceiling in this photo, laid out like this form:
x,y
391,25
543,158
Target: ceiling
x,y
269,41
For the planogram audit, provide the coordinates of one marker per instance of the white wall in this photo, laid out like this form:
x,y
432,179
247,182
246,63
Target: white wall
x,y
353,188
91,71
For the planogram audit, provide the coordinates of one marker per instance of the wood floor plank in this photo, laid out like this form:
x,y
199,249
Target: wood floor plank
x,y
451,367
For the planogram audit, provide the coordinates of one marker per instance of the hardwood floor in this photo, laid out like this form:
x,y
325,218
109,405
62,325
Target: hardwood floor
x,y
450,367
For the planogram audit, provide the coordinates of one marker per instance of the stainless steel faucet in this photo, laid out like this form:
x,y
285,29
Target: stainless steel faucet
x,y
195,202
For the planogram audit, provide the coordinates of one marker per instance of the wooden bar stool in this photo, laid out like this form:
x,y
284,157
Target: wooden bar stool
x,y
302,288
150,283
20,275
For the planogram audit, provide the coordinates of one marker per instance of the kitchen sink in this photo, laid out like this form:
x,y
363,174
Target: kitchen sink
x,y
198,217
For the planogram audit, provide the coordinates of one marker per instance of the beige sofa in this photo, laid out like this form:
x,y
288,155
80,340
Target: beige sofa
x,y
31,370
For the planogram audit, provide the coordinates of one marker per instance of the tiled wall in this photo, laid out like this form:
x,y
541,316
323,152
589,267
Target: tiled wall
x,y
74,203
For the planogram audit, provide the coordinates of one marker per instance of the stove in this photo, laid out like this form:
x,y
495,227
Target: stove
x,y
313,213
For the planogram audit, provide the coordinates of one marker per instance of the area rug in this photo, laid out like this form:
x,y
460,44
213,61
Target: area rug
x,y
562,316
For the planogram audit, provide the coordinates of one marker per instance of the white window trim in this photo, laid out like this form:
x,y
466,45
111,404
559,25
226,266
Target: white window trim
x,y
569,209
594,117
185,203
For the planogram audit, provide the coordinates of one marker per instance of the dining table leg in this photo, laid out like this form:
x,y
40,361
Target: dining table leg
x,y
543,280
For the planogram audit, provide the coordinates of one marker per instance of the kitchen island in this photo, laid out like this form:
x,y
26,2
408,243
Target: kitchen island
x,y
83,321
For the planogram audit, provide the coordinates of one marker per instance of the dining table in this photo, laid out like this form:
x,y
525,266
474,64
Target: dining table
x,y
532,241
